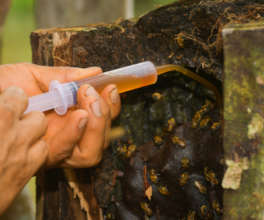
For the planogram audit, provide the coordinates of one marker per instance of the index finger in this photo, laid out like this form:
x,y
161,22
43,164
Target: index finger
x,y
45,74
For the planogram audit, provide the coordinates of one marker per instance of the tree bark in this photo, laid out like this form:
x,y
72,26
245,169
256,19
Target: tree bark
x,y
169,163
65,13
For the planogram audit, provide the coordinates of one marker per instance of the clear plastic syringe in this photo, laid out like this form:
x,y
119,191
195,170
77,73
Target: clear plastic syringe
x,y
61,96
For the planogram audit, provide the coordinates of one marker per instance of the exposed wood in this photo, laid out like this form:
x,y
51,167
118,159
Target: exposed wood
x,y
173,140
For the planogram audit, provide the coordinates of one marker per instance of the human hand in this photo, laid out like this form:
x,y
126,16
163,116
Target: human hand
x,y
22,151
76,139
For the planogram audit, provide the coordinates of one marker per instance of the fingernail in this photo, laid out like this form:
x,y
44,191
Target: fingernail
x,y
114,96
83,123
91,92
96,108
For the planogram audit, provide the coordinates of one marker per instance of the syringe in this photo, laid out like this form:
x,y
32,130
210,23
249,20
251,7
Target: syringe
x,y
61,96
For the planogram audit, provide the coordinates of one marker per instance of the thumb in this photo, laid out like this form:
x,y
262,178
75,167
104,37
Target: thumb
x,y
45,74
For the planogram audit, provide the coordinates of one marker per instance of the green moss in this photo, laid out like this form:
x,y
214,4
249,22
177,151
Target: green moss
x,y
256,125
244,122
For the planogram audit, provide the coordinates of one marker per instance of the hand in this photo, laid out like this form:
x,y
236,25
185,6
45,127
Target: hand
x,y
78,138
22,151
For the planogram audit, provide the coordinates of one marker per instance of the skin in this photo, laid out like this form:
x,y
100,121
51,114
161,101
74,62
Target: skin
x,y
31,141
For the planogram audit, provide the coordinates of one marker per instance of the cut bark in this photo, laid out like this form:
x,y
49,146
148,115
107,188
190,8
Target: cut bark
x,y
173,140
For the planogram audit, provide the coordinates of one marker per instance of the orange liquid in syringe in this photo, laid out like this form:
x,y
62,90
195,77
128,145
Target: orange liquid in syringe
x,y
124,83
125,78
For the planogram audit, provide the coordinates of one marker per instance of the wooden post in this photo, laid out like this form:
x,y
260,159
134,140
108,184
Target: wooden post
x,y
168,165
244,121
62,13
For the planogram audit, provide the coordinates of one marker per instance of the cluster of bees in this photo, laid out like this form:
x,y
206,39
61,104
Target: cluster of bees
x,y
200,120
210,176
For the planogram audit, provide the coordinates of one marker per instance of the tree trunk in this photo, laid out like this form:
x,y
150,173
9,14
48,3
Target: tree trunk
x,y
54,13
169,163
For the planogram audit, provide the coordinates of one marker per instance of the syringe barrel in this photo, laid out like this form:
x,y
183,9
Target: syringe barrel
x,y
62,96
125,78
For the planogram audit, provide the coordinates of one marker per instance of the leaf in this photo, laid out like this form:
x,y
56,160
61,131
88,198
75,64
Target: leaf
x,y
148,192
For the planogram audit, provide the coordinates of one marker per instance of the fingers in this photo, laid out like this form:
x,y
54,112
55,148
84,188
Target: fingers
x,y
44,75
61,145
111,96
83,148
99,112
19,160
90,147
13,103
32,127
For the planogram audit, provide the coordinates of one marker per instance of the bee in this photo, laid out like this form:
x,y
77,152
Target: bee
x,y
122,149
164,190
216,206
215,125
204,211
177,140
210,176
180,40
127,150
200,187
204,122
156,96
199,114
185,162
171,55
145,207
158,140
153,176
183,178
131,148
171,124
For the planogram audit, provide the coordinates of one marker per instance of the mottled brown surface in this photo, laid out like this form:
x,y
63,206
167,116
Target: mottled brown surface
x,y
186,155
